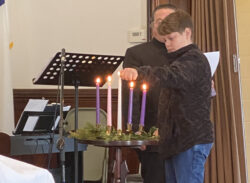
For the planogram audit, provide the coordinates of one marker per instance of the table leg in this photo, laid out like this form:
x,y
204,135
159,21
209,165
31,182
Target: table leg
x,y
120,168
124,171
117,165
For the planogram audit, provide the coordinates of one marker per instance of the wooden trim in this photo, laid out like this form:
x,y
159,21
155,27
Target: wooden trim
x,y
149,15
235,89
87,98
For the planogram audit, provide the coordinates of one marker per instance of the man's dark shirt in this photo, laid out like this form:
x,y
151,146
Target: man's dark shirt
x,y
153,54
184,103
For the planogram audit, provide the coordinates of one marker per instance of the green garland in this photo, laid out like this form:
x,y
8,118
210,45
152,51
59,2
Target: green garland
x,y
91,132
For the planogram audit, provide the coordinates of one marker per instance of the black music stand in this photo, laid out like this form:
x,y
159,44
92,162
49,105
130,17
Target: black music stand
x,y
79,70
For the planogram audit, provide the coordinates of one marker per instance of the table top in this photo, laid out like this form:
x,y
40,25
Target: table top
x,y
120,143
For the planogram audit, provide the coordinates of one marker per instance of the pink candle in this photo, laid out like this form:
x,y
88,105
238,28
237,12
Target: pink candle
x,y
98,80
109,103
143,104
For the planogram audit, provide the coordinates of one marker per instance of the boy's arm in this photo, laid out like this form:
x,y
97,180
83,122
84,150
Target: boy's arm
x,y
178,75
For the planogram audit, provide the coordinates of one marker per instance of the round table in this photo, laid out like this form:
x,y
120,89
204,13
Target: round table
x,y
118,145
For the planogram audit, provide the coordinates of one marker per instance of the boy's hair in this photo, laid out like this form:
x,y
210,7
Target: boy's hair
x,y
177,21
163,6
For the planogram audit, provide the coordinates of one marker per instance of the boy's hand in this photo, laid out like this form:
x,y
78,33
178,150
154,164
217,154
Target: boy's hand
x,y
129,74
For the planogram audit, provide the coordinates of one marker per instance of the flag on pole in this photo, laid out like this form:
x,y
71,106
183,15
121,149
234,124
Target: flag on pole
x,y
6,94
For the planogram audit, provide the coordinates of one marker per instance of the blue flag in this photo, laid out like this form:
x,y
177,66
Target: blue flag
x,y
1,2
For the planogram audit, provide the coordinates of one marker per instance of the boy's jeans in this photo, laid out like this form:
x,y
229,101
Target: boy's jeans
x,y
188,166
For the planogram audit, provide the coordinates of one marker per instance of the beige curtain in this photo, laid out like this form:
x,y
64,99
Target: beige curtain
x,y
155,3
215,30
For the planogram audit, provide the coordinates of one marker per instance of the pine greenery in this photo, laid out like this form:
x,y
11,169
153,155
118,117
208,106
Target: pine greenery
x,y
91,132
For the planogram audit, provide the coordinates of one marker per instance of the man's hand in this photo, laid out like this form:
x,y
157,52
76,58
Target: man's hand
x,y
156,133
143,148
213,92
129,74
212,84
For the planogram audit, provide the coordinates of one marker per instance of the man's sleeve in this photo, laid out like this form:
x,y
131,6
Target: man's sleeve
x,y
131,61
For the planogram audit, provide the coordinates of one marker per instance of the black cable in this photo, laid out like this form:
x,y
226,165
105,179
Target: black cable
x,y
52,135
36,146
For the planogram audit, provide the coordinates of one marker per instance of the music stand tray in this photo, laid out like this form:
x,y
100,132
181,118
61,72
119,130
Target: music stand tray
x,y
83,68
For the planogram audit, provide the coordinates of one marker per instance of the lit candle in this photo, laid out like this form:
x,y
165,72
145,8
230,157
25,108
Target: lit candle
x,y
109,103
119,105
130,104
143,104
98,80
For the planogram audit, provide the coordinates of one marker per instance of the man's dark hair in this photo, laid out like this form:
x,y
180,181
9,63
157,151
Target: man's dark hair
x,y
163,6
176,22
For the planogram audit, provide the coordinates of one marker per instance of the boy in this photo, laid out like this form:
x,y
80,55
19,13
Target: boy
x,y
186,132
152,54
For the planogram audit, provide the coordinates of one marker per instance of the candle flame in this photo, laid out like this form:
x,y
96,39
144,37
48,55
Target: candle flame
x,y
131,84
98,80
109,78
144,87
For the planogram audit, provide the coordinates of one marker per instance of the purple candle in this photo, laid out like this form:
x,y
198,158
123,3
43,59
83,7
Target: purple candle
x,y
98,101
143,104
130,104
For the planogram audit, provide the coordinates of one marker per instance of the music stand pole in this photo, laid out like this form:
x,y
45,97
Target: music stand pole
x,y
61,140
76,127
78,70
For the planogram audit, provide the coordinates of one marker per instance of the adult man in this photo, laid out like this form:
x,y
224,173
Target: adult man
x,y
186,132
152,54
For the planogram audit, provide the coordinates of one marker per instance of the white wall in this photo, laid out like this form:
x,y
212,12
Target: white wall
x,y
40,28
